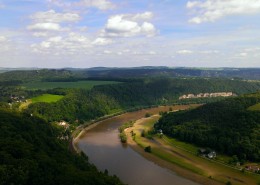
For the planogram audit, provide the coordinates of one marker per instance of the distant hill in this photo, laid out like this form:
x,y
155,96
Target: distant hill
x,y
228,126
32,153
119,73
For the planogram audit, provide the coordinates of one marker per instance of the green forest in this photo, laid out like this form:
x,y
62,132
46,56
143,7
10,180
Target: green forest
x,y
228,126
32,152
84,105
33,149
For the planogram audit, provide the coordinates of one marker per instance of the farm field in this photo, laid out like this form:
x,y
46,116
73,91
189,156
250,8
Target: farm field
x,y
51,85
48,98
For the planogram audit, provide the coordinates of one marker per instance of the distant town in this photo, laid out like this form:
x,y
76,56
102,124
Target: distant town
x,y
207,95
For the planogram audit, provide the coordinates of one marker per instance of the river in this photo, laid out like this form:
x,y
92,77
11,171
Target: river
x,y
104,149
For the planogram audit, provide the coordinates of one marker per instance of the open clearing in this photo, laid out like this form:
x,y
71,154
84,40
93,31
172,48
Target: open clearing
x,y
176,155
48,98
76,85
255,107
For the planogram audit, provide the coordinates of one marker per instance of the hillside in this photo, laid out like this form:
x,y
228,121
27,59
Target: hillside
x,y
74,74
31,153
106,99
226,126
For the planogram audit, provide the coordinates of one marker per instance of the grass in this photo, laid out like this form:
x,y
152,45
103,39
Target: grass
x,y
186,146
184,155
255,107
48,98
78,85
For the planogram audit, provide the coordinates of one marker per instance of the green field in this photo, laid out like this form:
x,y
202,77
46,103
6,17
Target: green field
x,y
77,85
255,107
183,155
48,98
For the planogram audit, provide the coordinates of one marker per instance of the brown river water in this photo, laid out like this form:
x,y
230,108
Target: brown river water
x,y
104,149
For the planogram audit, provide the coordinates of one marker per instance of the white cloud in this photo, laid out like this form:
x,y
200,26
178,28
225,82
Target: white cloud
x,y
139,16
47,26
152,53
99,4
107,52
128,25
40,34
184,52
102,41
72,43
3,39
212,10
210,52
55,39
54,17
148,29
243,54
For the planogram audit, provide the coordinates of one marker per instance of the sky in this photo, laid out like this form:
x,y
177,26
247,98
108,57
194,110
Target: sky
x,y
129,33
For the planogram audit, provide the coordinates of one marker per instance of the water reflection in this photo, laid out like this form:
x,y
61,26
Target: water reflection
x,y
105,150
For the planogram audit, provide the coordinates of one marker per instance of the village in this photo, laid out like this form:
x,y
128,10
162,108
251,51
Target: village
x,y
207,95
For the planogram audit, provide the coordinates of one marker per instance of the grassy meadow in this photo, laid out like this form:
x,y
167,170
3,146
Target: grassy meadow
x,y
48,98
76,85
255,107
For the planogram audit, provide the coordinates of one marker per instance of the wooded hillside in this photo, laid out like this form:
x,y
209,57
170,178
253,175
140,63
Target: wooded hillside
x,y
226,126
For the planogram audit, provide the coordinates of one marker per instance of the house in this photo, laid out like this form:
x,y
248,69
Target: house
x,y
212,155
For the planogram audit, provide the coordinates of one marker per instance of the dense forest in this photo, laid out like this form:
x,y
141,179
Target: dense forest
x,y
85,105
31,153
226,126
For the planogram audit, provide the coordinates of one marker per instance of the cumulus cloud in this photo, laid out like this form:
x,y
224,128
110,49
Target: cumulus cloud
x,y
72,43
102,41
212,10
128,25
54,17
184,52
99,4
47,26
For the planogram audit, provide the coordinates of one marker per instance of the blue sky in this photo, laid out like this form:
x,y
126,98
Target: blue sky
x,y
127,33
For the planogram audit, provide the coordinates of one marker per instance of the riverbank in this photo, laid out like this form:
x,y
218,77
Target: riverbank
x,y
140,112
183,163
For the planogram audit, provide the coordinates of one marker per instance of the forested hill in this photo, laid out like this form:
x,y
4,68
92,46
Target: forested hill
x,y
231,126
71,74
32,154
106,99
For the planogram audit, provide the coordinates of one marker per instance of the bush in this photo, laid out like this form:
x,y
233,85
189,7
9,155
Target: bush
x,y
148,149
147,115
123,137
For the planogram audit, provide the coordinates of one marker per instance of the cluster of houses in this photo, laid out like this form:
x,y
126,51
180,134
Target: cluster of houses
x,y
207,95
253,168
17,99
211,154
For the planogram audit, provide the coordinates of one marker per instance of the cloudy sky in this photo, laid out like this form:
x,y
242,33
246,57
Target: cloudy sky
x,y
126,33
